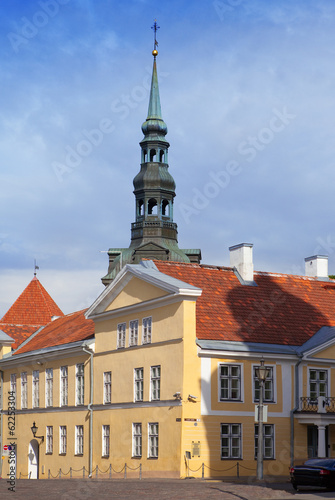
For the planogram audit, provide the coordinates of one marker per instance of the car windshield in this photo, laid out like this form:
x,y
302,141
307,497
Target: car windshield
x,y
316,462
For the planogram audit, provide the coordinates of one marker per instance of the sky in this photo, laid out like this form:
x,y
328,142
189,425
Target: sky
x,y
247,91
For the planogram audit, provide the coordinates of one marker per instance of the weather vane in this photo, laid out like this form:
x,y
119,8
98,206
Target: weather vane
x,y
35,267
155,28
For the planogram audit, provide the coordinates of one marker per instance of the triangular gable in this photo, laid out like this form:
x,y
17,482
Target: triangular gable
x,y
321,345
134,292
327,353
147,283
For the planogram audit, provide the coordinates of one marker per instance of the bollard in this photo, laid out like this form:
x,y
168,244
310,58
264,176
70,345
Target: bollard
x,y
70,472
84,471
96,472
60,474
140,471
203,471
125,471
238,469
49,474
110,471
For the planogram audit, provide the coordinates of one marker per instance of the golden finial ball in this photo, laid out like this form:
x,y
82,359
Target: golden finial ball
x,y
155,52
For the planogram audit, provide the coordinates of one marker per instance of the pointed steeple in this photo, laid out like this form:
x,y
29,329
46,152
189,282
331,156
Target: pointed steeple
x,y
153,234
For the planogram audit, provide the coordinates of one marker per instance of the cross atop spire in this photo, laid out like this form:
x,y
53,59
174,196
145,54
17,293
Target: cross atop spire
x,y
155,27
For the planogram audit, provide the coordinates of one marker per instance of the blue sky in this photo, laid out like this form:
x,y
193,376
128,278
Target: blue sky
x,y
247,92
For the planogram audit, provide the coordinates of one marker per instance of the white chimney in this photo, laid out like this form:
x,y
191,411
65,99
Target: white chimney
x,y
241,258
317,266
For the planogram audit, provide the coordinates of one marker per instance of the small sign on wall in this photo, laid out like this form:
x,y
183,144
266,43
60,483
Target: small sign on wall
x,y
265,413
196,449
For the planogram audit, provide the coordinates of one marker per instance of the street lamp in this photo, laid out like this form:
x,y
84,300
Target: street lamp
x,y
34,430
261,374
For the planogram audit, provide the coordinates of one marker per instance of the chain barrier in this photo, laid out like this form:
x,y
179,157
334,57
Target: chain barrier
x,y
25,475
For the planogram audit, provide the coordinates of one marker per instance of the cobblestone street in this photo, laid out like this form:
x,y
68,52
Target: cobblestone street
x,y
67,489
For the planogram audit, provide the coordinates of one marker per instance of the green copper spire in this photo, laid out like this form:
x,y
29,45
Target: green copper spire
x,y
154,233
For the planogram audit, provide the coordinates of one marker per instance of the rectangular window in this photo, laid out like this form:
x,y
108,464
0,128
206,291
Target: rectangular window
x,y
231,441
146,330
268,387
80,384
13,387
62,440
137,440
49,387
49,439
268,441
24,390
107,387
133,332
121,335
138,384
36,388
318,383
63,386
230,382
105,440
153,440
79,440
155,383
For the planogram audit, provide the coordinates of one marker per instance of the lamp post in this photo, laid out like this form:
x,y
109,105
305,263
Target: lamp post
x,y
261,374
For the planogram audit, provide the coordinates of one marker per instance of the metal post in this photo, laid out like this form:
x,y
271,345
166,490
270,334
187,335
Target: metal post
x,y
125,471
49,474
96,472
70,472
238,470
110,471
203,471
60,474
140,471
84,471
260,433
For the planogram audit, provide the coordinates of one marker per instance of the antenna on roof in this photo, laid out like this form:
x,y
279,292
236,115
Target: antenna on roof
x,y
35,267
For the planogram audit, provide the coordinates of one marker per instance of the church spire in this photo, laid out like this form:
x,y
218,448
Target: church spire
x,y
153,234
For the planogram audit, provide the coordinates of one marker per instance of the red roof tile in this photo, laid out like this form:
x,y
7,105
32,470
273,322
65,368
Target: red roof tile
x,y
33,308
70,328
281,309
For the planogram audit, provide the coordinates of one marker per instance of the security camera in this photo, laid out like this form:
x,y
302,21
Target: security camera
x,y
176,395
192,397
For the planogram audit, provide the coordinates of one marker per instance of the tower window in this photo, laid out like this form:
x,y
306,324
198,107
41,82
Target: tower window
x,y
145,155
140,207
152,207
165,208
152,155
162,156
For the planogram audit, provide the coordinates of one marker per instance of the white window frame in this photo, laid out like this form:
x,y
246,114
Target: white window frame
x,y
155,383
230,438
36,389
105,440
49,439
80,384
317,381
24,390
268,437
230,378
153,439
270,381
79,444
138,384
62,439
146,330
13,387
49,382
64,385
137,440
133,332
121,335
107,387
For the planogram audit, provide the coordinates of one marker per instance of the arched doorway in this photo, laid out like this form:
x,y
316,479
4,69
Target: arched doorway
x,y
33,458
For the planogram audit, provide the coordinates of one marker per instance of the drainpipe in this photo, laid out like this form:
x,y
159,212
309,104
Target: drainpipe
x,y
1,417
296,379
90,408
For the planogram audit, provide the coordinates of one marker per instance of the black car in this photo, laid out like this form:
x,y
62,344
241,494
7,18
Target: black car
x,y
314,472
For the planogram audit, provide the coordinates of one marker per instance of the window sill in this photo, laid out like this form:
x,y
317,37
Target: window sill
x,y
152,458
48,452
231,401
231,458
79,454
137,456
62,454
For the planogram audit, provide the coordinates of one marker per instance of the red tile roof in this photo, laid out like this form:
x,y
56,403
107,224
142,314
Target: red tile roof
x,y
70,328
33,308
281,309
